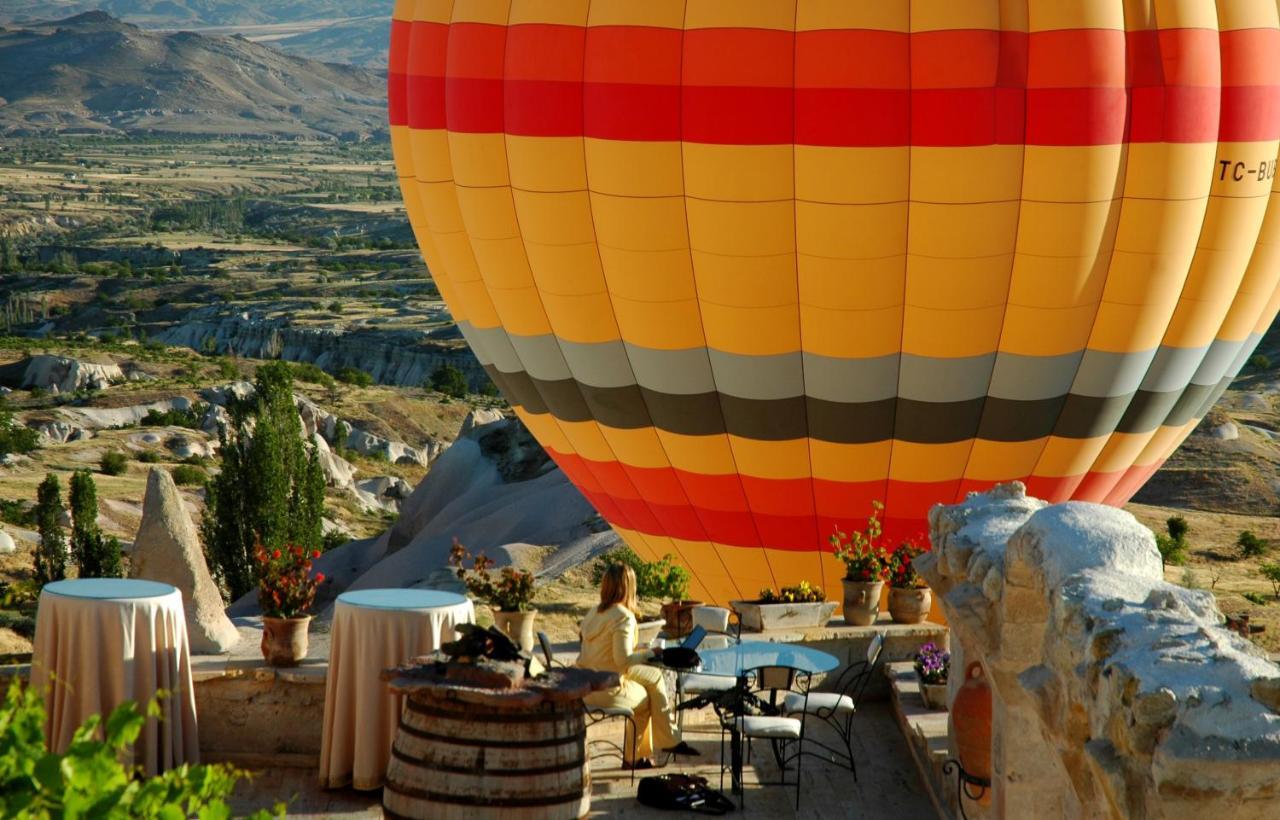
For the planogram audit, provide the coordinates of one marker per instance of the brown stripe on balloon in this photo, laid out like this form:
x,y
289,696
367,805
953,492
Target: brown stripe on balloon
x,y
991,419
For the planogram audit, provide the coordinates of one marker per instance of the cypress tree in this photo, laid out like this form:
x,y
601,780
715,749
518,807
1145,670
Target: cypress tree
x,y
51,555
97,555
270,487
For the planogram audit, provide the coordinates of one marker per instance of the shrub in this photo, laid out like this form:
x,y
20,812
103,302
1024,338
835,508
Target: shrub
x,y
89,779
1251,546
113,462
333,539
1255,598
15,437
662,579
51,554
1271,571
189,475
449,380
192,418
355,377
149,457
1260,361
1171,551
1178,528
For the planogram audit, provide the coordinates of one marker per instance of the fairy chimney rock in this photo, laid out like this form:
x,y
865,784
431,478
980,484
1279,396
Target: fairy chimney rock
x,y
167,549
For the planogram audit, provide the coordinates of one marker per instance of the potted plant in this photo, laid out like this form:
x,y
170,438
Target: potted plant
x,y
933,664
286,590
866,568
508,595
802,605
909,597
670,581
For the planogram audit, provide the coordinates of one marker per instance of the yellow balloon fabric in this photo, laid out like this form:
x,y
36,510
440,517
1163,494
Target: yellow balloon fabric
x,y
746,266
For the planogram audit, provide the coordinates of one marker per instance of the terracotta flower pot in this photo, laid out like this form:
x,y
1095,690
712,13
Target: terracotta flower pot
x,y
910,605
934,695
518,626
284,640
971,720
679,617
861,601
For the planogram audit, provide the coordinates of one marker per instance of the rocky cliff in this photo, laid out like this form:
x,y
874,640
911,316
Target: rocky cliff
x,y
392,356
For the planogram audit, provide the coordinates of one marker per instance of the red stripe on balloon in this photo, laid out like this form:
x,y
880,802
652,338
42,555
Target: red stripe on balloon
x,y
783,513
398,64
1072,87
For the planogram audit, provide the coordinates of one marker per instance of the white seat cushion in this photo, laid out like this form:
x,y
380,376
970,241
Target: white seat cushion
x,y
825,702
697,683
782,728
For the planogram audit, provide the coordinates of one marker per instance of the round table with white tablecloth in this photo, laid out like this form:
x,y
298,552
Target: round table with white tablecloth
x,y
373,630
103,641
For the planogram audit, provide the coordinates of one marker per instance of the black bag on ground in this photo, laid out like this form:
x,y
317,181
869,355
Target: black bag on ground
x,y
682,792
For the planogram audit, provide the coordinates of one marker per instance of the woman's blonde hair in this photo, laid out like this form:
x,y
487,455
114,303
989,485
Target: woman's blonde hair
x,y
618,587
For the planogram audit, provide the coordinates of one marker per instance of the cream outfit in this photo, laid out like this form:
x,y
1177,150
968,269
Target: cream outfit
x,y
609,644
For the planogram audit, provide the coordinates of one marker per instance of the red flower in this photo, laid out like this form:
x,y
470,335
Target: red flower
x,y
315,553
319,577
275,554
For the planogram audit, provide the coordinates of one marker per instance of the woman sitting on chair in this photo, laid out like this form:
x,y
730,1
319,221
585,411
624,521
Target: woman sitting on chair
x,y
608,635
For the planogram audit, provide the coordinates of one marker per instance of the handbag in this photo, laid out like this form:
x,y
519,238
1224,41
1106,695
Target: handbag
x,y
682,792
681,658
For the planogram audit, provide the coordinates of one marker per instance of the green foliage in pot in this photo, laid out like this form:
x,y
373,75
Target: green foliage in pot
x,y
902,573
89,780
801,593
864,559
511,590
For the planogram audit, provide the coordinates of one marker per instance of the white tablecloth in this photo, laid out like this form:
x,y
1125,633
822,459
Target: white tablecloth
x,y
373,630
102,641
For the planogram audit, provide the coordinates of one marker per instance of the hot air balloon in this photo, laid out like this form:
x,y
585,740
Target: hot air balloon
x,y
744,267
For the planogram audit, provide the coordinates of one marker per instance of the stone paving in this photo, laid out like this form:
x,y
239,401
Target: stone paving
x,y
888,786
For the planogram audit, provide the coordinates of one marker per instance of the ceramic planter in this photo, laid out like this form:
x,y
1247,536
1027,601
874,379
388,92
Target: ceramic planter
x,y
518,626
284,640
910,605
758,617
861,601
934,695
971,721
679,617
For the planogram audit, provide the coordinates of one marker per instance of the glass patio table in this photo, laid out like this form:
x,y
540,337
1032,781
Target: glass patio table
x,y
735,661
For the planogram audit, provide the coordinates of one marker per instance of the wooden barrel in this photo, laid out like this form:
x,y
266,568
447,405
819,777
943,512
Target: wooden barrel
x,y
455,759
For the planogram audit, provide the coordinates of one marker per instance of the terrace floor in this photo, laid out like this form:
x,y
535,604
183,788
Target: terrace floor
x,y
888,785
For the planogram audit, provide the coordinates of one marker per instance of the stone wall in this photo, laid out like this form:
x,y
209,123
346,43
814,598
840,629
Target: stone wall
x,y
1114,693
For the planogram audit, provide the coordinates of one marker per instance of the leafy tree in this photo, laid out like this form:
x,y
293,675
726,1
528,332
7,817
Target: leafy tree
x,y
15,437
270,488
1250,545
1178,528
449,380
89,779
114,462
189,475
9,262
354,376
1271,571
51,554
98,555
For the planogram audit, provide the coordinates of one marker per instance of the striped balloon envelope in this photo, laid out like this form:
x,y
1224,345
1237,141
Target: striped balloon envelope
x,y
746,266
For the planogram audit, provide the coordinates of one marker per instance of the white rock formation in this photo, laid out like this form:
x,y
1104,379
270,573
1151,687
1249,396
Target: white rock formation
x,y
61,432
7,544
1227,431
1115,693
167,549
64,375
101,418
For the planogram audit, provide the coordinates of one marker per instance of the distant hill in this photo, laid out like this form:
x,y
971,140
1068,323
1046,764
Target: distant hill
x,y
92,73
362,41
177,13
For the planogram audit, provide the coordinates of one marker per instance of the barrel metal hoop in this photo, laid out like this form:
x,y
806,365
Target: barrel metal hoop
x,y
481,717
494,744
557,768
487,802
